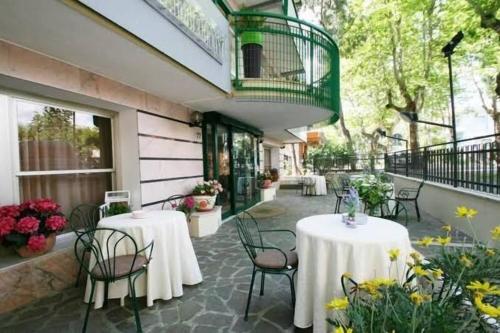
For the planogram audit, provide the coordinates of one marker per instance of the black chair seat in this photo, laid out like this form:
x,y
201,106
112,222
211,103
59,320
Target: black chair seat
x,y
123,266
274,259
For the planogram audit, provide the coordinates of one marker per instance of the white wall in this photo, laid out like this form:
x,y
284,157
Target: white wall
x,y
7,181
440,201
170,155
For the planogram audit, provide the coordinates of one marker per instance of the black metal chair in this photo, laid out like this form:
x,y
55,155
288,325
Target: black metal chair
x,y
309,186
300,184
83,218
339,194
410,194
109,265
265,259
173,202
391,209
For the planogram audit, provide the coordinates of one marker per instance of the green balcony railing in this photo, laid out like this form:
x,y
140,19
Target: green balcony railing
x,y
284,59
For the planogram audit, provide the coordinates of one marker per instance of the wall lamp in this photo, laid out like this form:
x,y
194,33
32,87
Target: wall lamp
x,y
383,133
196,119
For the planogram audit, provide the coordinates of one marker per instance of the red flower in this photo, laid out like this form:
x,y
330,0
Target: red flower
x,y
55,223
6,225
30,204
46,206
27,225
9,211
189,202
36,243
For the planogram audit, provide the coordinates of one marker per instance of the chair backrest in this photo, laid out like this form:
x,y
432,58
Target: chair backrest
x,y
249,233
104,250
173,202
419,188
84,218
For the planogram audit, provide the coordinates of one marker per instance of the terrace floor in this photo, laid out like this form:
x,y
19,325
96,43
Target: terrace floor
x,y
215,305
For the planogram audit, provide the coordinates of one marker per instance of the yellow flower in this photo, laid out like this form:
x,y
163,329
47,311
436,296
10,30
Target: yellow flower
x,y
342,330
463,211
486,308
418,298
426,241
484,288
446,228
419,271
383,282
464,260
489,252
338,304
443,240
437,273
394,254
347,275
495,233
417,258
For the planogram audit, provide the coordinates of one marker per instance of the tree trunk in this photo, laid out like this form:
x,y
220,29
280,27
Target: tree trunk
x,y
348,137
294,157
413,136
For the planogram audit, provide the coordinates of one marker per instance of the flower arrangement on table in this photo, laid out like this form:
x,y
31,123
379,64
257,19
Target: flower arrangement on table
x,y
373,191
205,194
458,290
31,226
351,202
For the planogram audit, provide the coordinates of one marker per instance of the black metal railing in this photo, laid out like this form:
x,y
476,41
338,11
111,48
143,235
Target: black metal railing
x,y
477,163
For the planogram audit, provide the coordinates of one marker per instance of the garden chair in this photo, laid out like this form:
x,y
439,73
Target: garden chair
x,y
339,195
391,209
110,265
309,186
173,202
83,218
300,184
410,194
265,259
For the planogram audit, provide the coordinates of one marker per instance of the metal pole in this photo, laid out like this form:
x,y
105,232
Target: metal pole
x,y
454,125
406,157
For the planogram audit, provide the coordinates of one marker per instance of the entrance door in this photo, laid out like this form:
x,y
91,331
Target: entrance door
x,y
224,168
244,167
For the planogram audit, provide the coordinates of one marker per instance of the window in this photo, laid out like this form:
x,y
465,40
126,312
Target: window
x,y
63,154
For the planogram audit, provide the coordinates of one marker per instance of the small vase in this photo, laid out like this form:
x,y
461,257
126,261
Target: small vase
x,y
25,252
204,203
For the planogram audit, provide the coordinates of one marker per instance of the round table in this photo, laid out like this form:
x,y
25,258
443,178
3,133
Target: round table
x,y
327,248
320,184
173,260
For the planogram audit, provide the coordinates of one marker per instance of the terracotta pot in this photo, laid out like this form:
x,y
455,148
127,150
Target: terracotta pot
x,y
204,203
25,252
267,183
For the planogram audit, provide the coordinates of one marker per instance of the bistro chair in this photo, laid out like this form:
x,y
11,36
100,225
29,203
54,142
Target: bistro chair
x,y
339,194
410,194
173,202
110,264
265,259
300,184
83,218
309,186
391,209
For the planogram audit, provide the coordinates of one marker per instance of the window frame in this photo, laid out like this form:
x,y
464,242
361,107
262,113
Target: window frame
x,y
13,100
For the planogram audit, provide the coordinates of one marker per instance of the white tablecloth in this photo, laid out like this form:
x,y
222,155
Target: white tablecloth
x,y
173,261
327,249
320,184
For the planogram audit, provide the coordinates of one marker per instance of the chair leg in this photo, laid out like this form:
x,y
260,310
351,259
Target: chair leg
x,y
91,299
262,278
337,206
250,294
292,288
418,211
134,303
106,292
80,270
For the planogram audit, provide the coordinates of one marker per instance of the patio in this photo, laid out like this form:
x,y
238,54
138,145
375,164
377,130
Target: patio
x,y
215,305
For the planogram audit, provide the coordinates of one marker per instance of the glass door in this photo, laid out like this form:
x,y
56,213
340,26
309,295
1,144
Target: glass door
x,y
244,170
224,168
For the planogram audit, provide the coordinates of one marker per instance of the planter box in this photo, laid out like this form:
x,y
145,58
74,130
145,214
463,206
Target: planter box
x,y
268,194
205,223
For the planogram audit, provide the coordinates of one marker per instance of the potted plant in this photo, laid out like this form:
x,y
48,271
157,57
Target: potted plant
x,y
275,176
372,191
264,180
252,42
31,227
187,206
205,194
116,208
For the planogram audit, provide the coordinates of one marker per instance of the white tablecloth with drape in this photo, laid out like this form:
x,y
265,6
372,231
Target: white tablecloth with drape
x,y
327,248
173,261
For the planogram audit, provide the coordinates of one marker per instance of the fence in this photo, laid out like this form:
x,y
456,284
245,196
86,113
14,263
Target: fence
x,y
477,164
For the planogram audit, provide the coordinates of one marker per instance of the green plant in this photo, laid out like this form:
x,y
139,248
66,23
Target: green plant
x,y
456,291
116,208
372,191
328,155
250,26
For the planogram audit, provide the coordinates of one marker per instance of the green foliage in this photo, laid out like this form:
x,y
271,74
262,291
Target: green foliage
x,y
321,157
116,208
372,190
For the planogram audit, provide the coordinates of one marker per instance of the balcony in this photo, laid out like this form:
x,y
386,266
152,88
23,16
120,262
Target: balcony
x,y
285,60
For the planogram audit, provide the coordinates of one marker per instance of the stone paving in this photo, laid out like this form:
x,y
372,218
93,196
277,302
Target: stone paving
x,y
215,305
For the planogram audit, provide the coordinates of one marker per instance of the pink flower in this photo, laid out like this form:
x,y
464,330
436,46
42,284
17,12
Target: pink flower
x,y
30,204
9,211
36,243
55,223
6,225
189,202
46,206
27,225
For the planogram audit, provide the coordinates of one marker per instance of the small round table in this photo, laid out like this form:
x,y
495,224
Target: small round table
x,y
327,248
173,260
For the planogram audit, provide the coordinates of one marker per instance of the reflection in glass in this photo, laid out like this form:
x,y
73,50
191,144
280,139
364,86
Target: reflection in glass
x,y
53,138
223,159
244,169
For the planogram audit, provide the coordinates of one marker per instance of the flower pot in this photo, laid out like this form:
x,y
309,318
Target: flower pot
x,y
25,252
251,45
204,203
267,183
